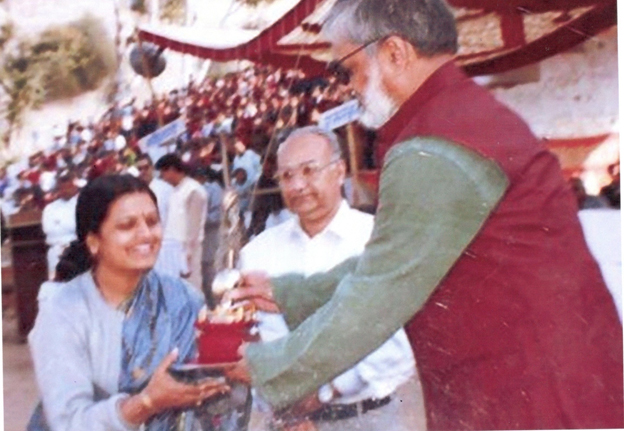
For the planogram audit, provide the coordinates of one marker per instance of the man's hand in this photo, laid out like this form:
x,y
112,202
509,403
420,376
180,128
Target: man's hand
x,y
308,405
255,287
239,372
295,418
304,425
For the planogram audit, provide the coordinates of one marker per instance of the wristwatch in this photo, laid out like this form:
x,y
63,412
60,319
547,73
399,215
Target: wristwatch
x,y
326,393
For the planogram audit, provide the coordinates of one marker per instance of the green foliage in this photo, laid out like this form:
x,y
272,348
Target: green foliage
x,y
173,11
63,61
6,33
22,85
138,6
76,58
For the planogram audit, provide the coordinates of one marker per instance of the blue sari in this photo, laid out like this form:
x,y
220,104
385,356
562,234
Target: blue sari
x,y
159,317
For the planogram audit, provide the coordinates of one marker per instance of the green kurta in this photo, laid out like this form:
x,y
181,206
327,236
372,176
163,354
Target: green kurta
x,y
434,197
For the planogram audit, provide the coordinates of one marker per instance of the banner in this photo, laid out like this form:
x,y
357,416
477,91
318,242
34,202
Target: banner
x,y
155,143
340,115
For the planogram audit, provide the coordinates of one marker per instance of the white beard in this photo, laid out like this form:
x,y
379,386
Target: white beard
x,y
377,104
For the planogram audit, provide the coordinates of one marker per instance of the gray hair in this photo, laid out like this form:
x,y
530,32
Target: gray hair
x,y
428,25
330,137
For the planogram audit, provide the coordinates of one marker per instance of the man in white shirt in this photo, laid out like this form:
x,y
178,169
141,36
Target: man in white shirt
x,y
325,232
185,219
58,220
161,188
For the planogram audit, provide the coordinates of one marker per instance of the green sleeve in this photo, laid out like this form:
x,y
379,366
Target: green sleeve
x,y
297,302
434,197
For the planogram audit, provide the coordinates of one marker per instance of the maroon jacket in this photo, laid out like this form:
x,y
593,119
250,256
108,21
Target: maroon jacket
x,y
528,335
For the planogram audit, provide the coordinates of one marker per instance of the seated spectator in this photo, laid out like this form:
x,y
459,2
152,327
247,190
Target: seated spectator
x,y
584,200
611,192
243,186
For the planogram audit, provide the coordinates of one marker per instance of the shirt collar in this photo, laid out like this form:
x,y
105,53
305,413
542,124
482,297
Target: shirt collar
x,y
183,183
339,226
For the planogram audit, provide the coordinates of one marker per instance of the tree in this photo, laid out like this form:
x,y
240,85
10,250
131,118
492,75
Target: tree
x,y
21,82
63,61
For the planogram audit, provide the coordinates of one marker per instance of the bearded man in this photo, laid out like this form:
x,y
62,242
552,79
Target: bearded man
x,y
476,250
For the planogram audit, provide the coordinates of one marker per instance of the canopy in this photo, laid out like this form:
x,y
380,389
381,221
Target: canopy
x,y
494,36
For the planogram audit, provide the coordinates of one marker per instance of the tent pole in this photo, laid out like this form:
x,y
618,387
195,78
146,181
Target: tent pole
x,y
148,72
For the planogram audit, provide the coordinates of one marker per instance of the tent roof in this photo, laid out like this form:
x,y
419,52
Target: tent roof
x,y
494,36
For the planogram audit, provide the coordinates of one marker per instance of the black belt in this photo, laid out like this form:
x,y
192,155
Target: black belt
x,y
336,412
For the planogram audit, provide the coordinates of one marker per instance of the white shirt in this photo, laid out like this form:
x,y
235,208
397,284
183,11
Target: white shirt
x,y
249,161
59,221
47,180
276,218
120,142
602,230
162,190
286,248
188,205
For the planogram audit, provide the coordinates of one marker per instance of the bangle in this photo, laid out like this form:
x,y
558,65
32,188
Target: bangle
x,y
146,401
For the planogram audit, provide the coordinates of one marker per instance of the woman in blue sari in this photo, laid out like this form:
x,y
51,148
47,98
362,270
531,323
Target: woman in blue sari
x,y
104,341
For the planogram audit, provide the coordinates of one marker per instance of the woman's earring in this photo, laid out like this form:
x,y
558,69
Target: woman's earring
x,y
92,247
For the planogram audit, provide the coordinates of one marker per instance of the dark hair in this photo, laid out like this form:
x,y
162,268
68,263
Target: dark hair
x,y
144,156
94,202
171,161
428,25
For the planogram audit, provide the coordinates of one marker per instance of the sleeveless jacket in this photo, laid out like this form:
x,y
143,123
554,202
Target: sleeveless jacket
x,y
522,332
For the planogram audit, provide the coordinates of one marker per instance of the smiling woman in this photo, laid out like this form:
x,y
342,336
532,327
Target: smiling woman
x,y
103,344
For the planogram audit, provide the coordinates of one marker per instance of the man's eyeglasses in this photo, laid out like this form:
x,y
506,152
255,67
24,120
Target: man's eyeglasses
x,y
342,74
309,171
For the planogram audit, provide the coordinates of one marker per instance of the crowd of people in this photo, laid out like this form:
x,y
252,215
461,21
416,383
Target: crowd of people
x,y
242,111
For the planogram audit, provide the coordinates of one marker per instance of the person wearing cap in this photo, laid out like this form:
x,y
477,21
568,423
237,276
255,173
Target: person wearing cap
x,y
59,219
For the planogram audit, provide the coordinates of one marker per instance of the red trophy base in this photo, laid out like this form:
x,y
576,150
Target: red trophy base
x,y
218,343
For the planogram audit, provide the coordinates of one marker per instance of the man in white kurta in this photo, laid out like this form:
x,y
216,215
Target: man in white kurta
x,y
186,216
58,220
171,258
161,188
325,232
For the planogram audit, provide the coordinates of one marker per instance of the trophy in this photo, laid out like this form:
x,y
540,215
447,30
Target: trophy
x,y
221,331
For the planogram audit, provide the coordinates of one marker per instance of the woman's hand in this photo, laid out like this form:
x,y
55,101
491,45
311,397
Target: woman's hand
x,y
164,392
